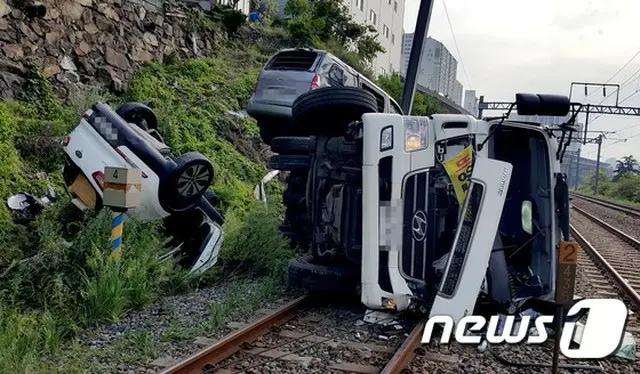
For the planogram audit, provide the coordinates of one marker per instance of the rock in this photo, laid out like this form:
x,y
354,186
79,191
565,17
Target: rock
x,y
91,28
17,14
10,85
116,59
108,11
4,25
83,49
51,70
84,2
52,37
4,8
37,29
103,23
13,51
72,10
150,39
141,55
67,64
141,13
52,14
168,30
26,30
68,77
86,67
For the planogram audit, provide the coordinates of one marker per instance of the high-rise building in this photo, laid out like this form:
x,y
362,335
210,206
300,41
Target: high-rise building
x,y
471,102
387,16
438,68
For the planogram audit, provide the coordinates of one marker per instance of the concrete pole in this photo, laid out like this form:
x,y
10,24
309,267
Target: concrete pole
x,y
577,181
420,33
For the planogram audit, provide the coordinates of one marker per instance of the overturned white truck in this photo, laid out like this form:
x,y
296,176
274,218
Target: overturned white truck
x,y
448,212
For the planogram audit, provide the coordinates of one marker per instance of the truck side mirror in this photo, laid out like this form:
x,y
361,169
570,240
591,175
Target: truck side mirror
x,y
526,217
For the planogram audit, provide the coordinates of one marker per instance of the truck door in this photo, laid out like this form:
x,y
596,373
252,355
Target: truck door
x,y
469,256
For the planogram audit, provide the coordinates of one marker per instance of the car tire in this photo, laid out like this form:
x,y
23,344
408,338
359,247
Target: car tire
x,y
309,274
139,114
289,162
188,182
291,145
328,110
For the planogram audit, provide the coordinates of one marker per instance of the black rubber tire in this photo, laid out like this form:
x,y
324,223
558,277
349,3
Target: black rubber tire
x,y
293,197
289,162
308,274
184,189
291,145
139,114
328,110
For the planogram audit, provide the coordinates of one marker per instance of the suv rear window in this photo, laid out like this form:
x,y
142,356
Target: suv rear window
x,y
293,60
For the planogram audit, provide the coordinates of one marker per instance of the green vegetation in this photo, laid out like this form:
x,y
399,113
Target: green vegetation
x,y
623,187
423,105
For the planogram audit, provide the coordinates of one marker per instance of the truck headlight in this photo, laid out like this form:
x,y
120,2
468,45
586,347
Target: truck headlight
x,y
386,138
415,133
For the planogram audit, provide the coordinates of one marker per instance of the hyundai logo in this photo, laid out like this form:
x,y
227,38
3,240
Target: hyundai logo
x,y
419,226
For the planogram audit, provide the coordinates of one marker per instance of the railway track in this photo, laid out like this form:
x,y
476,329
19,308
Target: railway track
x,y
632,211
611,263
290,339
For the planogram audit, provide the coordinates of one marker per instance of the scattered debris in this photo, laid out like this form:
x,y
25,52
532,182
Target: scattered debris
x,y
25,207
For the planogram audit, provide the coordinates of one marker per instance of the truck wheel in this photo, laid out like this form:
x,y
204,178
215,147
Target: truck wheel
x,y
291,145
328,110
138,114
296,223
188,182
307,273
289,162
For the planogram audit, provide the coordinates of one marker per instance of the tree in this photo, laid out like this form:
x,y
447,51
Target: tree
x,y
626,165
271,10
628,188
423,105
604,183
327,24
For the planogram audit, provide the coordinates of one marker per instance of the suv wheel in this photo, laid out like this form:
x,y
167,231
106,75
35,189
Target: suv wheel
x,y
291,145
328,110
138,114
188,182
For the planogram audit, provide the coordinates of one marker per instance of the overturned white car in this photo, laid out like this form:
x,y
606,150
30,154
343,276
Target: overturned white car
x,y
441,211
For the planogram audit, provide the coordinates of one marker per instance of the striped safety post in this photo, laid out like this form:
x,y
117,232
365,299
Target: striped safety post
x,y
117,224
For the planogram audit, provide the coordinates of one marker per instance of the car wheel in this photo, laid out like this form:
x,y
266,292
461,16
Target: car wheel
x,y
291,145
310,274
189,181
138,114
328,110
289,162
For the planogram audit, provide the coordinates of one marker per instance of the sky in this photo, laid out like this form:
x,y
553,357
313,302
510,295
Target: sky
x,y
510,46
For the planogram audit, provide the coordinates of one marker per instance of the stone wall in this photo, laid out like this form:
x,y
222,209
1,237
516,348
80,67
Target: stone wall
x,y
92,42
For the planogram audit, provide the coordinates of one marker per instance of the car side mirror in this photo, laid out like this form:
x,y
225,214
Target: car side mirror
x,y
526,217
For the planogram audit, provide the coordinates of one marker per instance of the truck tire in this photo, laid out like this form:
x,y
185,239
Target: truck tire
x,y
291,145
328,110
188,182
266,132
308,274
138,114
290,162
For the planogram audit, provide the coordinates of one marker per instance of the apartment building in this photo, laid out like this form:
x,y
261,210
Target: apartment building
x,y
438,68
471,102
387,16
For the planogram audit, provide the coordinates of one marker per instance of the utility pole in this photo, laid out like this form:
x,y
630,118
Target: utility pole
x,y
420,33
598,140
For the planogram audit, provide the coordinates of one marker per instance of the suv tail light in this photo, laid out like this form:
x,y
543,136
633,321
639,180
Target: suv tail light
x,y
66,141
98,176
315,82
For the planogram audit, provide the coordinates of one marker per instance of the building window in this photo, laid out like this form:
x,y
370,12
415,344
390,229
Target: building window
x,y
395,6
360,4
385,31
372,17
393,38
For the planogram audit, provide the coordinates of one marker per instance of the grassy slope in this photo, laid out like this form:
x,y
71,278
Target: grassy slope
x,y
57,275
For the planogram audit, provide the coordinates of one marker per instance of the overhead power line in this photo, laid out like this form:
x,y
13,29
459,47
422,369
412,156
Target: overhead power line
x,y
455,42
618,72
